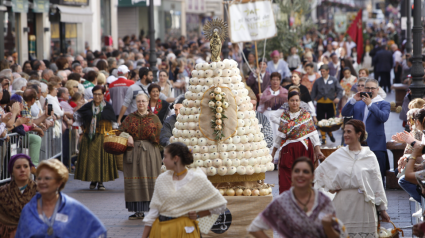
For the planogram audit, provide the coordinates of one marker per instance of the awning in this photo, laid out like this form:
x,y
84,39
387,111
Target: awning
x,y
75,14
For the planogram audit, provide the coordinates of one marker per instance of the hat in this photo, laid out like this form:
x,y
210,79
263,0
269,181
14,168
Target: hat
x,y
16,157
123,69
274,53
334,43
111,79
324,66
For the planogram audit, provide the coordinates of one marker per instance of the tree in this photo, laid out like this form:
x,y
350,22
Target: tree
x,y
292,22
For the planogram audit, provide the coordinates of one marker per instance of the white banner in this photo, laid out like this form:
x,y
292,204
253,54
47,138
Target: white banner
x,y
251,21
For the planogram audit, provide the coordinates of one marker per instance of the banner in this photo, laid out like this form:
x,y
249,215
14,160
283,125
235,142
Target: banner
x,y
251,21
340,23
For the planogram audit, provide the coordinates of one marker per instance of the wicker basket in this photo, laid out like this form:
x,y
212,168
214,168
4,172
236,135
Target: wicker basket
x,y
113,144
327,151
395,232
330,128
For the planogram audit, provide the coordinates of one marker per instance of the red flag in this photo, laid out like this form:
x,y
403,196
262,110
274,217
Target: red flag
x,y
355,31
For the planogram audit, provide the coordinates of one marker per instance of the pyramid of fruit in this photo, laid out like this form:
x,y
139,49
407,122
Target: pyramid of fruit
x,y
218,123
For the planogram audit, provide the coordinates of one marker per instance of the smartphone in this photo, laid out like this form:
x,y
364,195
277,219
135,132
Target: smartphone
x,y
364,94
49,109
47,102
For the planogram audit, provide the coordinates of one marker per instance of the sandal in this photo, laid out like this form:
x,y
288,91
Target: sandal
x,y
137,215
101,187
93,185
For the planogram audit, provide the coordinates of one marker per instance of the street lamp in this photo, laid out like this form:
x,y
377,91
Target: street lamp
x,y
152,53
417,87
409,27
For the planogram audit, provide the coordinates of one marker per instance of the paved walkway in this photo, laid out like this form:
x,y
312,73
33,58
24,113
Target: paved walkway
x,y
109,205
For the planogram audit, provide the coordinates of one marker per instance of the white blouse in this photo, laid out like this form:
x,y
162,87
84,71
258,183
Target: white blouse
x,y
57,109
153,213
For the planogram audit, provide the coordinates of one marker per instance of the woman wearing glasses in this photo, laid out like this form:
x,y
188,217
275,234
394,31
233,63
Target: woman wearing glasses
x,y
142,160
50,213
93,163
16,194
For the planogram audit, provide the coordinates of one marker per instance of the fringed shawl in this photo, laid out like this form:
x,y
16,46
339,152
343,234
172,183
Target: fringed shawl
x,y
11,204
147,127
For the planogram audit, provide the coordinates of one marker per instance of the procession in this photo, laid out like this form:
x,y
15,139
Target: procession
x,y
257,118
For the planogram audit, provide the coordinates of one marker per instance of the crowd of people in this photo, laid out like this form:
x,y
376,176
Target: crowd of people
x,y
115,91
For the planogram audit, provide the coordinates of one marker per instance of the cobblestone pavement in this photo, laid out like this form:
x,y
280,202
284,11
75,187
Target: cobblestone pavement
x,y
109,205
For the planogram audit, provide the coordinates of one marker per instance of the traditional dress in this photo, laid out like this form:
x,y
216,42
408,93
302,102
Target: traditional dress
x,y
12,201
308,80
296,137
356,174
142,164
285,217
93,163
173,200
161,109
72,220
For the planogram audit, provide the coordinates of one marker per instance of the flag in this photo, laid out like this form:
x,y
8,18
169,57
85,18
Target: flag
x,y
355,31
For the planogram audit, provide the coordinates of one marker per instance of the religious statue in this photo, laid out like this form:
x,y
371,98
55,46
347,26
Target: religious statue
x,y
216,32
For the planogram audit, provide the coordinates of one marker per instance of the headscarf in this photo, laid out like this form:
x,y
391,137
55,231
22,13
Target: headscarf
x,y
16,157
274,53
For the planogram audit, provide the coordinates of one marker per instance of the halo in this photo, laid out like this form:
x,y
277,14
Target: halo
x,y
216,25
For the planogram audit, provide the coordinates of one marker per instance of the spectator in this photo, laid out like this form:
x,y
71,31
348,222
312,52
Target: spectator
x,y
52,98
62,63
278,65
247,66
101,79
383,63
374,112
264,79
91,81
118,90
62,76
156,105
46,75
165,84
168,124
76,68
19,85
397,63
334,65
365,74
63,96
72,87
310,77
294,60
264,124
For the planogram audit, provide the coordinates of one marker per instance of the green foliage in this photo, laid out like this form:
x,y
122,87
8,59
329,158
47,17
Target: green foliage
x,y
289,36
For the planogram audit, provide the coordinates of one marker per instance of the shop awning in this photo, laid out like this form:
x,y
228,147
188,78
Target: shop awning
x,y
75,14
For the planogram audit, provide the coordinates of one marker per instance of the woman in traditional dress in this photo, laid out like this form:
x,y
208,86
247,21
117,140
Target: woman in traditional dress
x,y
296,136
352,172
93,163
50,213
347,82
301,211
304,93
310,77
16,194
157,106
143,162
181,197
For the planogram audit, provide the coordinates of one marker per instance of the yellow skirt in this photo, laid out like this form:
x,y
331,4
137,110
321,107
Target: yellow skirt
x,y
177,228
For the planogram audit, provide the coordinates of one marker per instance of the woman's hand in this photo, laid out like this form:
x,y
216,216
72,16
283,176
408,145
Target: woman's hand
x,y
405,137
417,231
384,216
315,120
327,220
401,163
39,131
318,153
16,108
6,117
193,215
130,142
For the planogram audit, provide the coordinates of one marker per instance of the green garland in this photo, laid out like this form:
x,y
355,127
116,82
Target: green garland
x,y
218,105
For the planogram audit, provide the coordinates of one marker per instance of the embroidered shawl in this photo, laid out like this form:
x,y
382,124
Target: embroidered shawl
x,y
341,170
197,195
73,220
297,128
12,201
147,127
285,217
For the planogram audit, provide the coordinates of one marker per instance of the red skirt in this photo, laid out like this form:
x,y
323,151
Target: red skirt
x,y
288,155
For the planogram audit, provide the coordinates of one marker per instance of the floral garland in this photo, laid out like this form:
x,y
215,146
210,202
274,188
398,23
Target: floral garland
x,y
218,106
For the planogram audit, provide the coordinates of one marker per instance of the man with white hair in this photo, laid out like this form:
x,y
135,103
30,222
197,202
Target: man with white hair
x,y
63,76
80,59
46,75
397,58
19,85
118,89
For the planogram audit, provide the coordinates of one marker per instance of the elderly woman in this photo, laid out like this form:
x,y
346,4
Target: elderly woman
x,y
157,106
297,136
16,194
177,201
50,213
304,93
352,172
94,164
143,159
303,210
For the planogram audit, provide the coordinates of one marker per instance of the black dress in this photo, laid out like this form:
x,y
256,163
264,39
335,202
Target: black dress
x,y
163,112
305,95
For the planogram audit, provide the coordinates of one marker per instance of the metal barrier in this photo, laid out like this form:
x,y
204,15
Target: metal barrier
x,y
51,147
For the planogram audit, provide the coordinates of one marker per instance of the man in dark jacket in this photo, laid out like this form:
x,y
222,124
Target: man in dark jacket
x,y
383,63
168,126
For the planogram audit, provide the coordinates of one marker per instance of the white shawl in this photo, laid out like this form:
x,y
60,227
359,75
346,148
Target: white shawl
x,y
197,195
341,171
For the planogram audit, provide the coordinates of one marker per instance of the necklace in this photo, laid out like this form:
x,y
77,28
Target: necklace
x,y
304,205
181,173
